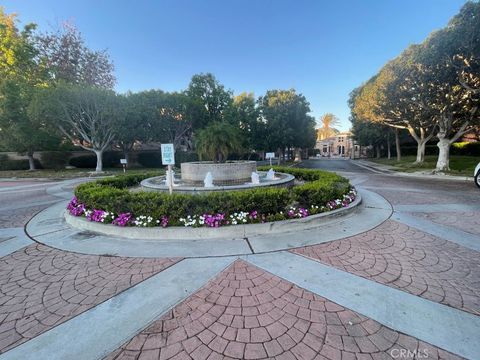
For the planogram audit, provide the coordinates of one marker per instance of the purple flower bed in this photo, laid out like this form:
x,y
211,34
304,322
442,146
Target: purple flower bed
x,y
206,220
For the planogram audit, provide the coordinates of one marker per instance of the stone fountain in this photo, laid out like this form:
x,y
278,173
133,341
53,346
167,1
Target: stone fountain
x,y
206,176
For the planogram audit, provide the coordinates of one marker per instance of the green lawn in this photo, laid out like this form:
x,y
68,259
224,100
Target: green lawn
x,y
69,174
459,165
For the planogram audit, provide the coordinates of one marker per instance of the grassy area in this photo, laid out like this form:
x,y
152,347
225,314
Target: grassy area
x,y
68,174
459,165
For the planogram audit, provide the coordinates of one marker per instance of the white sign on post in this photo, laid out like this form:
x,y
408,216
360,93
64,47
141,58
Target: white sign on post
x,y
123,161
168,154
168,158
270,156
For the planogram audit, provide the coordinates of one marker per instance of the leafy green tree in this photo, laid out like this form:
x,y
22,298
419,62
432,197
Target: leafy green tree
x,y
173,124
245,115
130,125
20,76
208,100
217,140
85,115
450,59
287,123
395,97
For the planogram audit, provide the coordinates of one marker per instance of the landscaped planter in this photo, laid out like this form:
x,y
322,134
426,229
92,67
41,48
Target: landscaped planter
x,y
190,233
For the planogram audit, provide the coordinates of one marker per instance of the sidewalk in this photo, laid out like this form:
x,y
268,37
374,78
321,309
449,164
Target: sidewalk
x,y
422,174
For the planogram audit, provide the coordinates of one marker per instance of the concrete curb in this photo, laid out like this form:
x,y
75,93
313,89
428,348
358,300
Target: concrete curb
x,y
49,227
233,231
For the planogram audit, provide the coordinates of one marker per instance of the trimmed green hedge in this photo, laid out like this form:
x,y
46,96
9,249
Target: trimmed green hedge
x,y
112,195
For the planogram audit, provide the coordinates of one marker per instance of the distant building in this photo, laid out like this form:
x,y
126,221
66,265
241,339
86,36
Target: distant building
x,y
339,145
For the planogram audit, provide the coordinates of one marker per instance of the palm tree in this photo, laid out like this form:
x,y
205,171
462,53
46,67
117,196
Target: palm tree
x,y
327,130
218,140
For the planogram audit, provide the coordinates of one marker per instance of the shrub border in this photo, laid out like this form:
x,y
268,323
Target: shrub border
x,y
191,233
109,194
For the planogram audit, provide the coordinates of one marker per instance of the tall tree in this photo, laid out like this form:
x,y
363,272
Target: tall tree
x,y
85,115
67,58
245,115
287,122
173,124
395,97
130,125
450,58
208,100
20,76
328,121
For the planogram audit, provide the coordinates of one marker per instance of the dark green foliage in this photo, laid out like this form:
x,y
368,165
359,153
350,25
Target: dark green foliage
x,y
150,159
465,148
54,159
112,194
185,156
86,161
10,164
320,186
89,160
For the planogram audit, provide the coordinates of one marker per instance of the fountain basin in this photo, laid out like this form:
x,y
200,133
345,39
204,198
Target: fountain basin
x,y
229,173
158,184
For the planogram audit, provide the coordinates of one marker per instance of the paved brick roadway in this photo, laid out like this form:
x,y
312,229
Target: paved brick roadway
x,y
399,256
465,221
247,313
41,287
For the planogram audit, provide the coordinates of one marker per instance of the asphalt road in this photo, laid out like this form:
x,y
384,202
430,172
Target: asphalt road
x,y
335,165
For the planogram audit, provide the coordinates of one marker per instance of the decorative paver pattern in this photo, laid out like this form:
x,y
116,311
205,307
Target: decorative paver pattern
x,y
247,313
41,287
465,221
407,259
19,217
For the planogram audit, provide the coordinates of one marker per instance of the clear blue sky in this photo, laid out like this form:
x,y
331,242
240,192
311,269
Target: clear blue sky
x,y
323,49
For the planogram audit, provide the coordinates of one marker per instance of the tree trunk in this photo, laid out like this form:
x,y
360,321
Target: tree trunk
x,y
31,161
279,151
298,155
443,162
397,145
420,152
377,151
99,154
389,152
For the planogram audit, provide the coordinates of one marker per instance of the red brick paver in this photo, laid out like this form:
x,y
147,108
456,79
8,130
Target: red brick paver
x,y
408,259
41,287
247,313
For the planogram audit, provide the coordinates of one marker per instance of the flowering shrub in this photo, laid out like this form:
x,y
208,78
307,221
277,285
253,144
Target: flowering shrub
x,y
144,221
208,220
99,216
75,208
122,219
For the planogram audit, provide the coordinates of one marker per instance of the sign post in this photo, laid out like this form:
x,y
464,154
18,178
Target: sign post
x,y
124,164
270,156
168,158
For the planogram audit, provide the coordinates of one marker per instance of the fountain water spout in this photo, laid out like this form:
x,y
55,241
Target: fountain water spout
x,y
255,178
208,181
270,175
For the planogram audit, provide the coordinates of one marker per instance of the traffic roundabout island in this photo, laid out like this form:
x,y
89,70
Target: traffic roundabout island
x,y
113,216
